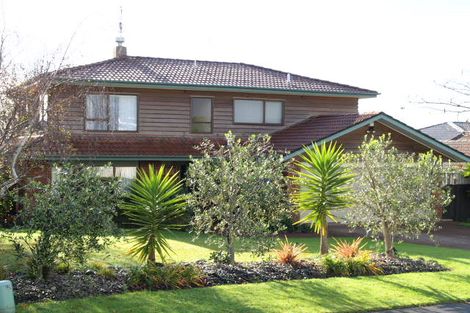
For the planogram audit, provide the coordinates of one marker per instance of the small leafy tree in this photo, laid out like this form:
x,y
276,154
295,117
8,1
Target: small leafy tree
x,y
397,194
68,218
238,191
155,204
322,187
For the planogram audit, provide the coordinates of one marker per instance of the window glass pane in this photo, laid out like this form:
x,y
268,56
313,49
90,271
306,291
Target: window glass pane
x,y
96,125
201,110
273,114
248,111
123,112
96,107
201,127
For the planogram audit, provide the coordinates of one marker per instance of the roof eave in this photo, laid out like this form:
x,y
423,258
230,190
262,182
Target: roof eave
x,y
124,84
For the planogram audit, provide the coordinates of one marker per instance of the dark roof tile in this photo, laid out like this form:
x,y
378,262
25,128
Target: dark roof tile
x,y
174,72
313,129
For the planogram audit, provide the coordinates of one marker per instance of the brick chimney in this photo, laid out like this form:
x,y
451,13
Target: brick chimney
x,y
121,51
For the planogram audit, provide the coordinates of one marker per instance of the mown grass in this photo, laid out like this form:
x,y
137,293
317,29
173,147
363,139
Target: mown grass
x,y
312,295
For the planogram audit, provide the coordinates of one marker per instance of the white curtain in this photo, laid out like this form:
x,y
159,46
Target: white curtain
x,y
248,111
273,114
123,112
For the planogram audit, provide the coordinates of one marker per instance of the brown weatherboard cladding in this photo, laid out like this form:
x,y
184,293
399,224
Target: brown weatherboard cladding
x,y
168,112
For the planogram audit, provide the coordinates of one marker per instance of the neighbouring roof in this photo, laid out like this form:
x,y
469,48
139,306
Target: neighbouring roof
x,y
178,74
446,131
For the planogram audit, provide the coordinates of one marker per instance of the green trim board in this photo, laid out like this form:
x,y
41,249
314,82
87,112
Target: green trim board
x,y
123,84
398,126
120,158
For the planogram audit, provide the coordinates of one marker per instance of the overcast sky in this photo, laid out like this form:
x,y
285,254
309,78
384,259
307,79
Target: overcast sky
x,y
402,49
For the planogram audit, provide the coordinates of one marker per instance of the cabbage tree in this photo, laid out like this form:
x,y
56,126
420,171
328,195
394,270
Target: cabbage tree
x,y
322,187
156,202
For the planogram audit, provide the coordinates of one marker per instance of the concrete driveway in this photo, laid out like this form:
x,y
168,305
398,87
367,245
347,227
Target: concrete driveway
x,y
450,234
441,308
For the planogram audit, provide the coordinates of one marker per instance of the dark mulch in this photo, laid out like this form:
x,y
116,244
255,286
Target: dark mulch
x,y
222,274
76,284
79,284
401,265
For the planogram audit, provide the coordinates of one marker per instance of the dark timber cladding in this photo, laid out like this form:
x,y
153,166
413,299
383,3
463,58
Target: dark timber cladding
x,y
168,112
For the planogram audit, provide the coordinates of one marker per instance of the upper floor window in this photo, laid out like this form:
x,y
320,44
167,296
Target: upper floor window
x,y
257,112
201,115
111,113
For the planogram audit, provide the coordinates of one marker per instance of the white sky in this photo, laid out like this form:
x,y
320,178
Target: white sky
x,y
403,49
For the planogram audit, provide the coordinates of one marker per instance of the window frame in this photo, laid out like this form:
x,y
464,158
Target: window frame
x,y
108,104
191,115
103,164
264,112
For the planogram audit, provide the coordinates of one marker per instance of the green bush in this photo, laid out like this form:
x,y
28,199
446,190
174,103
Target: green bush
x,y
107,272
355,266
3,272
103,269
170,276
7,209
62,268
68,218
220,257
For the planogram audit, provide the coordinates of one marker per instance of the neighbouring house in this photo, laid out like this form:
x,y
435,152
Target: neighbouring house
x,y
457,136
454,134
142,110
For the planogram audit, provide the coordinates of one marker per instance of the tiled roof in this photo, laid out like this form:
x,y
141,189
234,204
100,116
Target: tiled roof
x,y
445,131
188,73
464,125
462,144
313,129
132,145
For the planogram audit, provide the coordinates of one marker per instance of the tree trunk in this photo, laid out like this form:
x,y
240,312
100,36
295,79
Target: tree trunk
x,y
151,243
324,239
388,241
230,248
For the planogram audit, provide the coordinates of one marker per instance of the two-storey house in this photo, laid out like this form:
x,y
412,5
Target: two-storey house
x,y
141,110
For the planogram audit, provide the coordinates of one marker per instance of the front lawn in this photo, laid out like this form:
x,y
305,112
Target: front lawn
x,y
313,295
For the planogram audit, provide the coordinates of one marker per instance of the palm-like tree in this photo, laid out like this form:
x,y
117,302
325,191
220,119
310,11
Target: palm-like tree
x,y
155,203
322,186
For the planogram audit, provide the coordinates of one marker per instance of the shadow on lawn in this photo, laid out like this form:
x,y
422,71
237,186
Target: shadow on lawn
x,y
189,300
314,292
427,290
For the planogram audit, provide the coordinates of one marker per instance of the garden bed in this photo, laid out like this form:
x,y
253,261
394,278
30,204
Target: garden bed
x,y
79,284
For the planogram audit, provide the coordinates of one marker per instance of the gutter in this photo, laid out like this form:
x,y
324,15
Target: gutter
x,y
123,84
